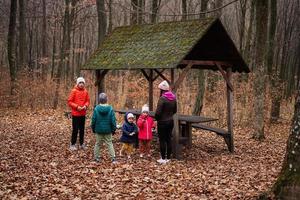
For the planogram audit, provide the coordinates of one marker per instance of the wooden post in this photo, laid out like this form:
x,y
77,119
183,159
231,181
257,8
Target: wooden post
x,y
230,110
100,75
172,78
151,90
176,147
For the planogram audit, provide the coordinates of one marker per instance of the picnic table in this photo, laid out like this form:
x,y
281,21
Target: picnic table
x,y
182,132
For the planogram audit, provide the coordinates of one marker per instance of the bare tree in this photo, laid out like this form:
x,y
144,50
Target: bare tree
x,y
22,34
11,44
261,20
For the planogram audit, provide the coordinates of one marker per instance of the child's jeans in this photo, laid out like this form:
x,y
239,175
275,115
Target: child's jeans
x,y
127,148
145,146
107,139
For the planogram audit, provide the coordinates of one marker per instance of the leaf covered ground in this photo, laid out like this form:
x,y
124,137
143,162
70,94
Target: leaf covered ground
x,y
37,164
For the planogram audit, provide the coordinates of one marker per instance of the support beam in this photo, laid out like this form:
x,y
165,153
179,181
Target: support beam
x,y
206,63
161,75
225,76
176,147
100,77
151,90
145,74
182,76
230,111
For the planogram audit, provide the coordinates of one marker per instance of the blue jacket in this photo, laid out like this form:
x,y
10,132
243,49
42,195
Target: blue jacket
x,y
103,120
128,128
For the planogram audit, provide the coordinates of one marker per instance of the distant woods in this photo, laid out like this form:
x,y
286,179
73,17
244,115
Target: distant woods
x,y
50,40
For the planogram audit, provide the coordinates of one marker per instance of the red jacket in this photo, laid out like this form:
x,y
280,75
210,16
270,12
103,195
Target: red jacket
x,y
78,97
145,124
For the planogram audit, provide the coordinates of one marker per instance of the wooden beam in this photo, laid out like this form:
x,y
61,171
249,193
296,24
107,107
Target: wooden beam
x,y
230,111
157,75
225,76
176,147
151,90
100,77
145,74
182,76
161,75
206,62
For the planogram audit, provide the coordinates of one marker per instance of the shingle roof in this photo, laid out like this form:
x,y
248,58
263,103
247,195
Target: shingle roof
x,y
152,46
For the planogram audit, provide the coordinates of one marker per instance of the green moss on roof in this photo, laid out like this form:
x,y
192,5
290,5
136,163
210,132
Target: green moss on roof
x,y
160,45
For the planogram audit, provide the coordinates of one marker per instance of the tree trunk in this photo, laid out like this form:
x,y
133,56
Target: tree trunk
x,y
141,10
203,7
58,74
22,35
154,10
101,21
200,93
271,35
11,43
110,21
259,70
134,13
287,185
184,10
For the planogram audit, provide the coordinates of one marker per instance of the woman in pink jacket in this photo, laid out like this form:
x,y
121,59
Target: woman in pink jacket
x,y
145,124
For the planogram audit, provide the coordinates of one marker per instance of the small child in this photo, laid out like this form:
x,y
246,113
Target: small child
x,y
145,124
129,129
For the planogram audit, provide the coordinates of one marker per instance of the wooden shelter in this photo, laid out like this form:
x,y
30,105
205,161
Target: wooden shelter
x,y
184,45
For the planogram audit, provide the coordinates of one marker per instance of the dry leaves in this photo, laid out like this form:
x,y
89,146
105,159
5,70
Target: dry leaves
x,y
36,164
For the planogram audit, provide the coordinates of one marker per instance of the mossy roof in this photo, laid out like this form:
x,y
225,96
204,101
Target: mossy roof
x,y
151,46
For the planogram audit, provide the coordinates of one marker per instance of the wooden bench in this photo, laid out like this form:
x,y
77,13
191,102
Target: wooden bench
x,y
218,131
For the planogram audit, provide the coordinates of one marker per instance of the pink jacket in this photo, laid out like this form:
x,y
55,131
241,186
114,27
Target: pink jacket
x,y
145,124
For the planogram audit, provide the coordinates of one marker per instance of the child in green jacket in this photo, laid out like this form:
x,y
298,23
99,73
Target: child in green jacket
x,y
103,125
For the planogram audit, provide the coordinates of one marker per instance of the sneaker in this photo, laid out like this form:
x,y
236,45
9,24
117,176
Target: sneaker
x,y
83,147
114,161
73,147
141,155
129,157
161,161
167,160
149,155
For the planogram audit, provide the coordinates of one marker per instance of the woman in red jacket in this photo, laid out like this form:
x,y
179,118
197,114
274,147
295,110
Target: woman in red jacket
x,y
79,101
145,124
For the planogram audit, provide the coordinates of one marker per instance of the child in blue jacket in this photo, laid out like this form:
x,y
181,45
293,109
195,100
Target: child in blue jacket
x,y
129,132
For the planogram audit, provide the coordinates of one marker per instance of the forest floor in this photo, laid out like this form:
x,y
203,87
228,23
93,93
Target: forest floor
x,y
36,164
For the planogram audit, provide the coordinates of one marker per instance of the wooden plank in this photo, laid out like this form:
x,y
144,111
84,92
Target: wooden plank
x,y
206,63
145,74
161,75
188,129
225,77
151,89
219,131
182,76
157,75
230,111
100,77
176,147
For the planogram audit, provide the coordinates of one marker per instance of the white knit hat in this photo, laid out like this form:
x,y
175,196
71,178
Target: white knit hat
x,y
145,108
164,86
130,115
80,79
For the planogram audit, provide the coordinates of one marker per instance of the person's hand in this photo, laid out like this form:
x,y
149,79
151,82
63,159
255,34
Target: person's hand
x,y
84,107
79,108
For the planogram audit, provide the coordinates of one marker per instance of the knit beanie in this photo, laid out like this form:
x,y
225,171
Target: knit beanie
x,y
164,86
102,98
130,115
79,80
145,108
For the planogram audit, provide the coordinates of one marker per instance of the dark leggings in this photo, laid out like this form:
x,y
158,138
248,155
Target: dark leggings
x,y
164,130
78,123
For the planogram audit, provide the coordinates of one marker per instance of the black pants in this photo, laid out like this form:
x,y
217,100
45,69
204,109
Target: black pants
x,y
164,130
78,123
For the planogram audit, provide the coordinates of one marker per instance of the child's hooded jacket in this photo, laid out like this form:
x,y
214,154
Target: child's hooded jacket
x,y
128,128
103,120
145,124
